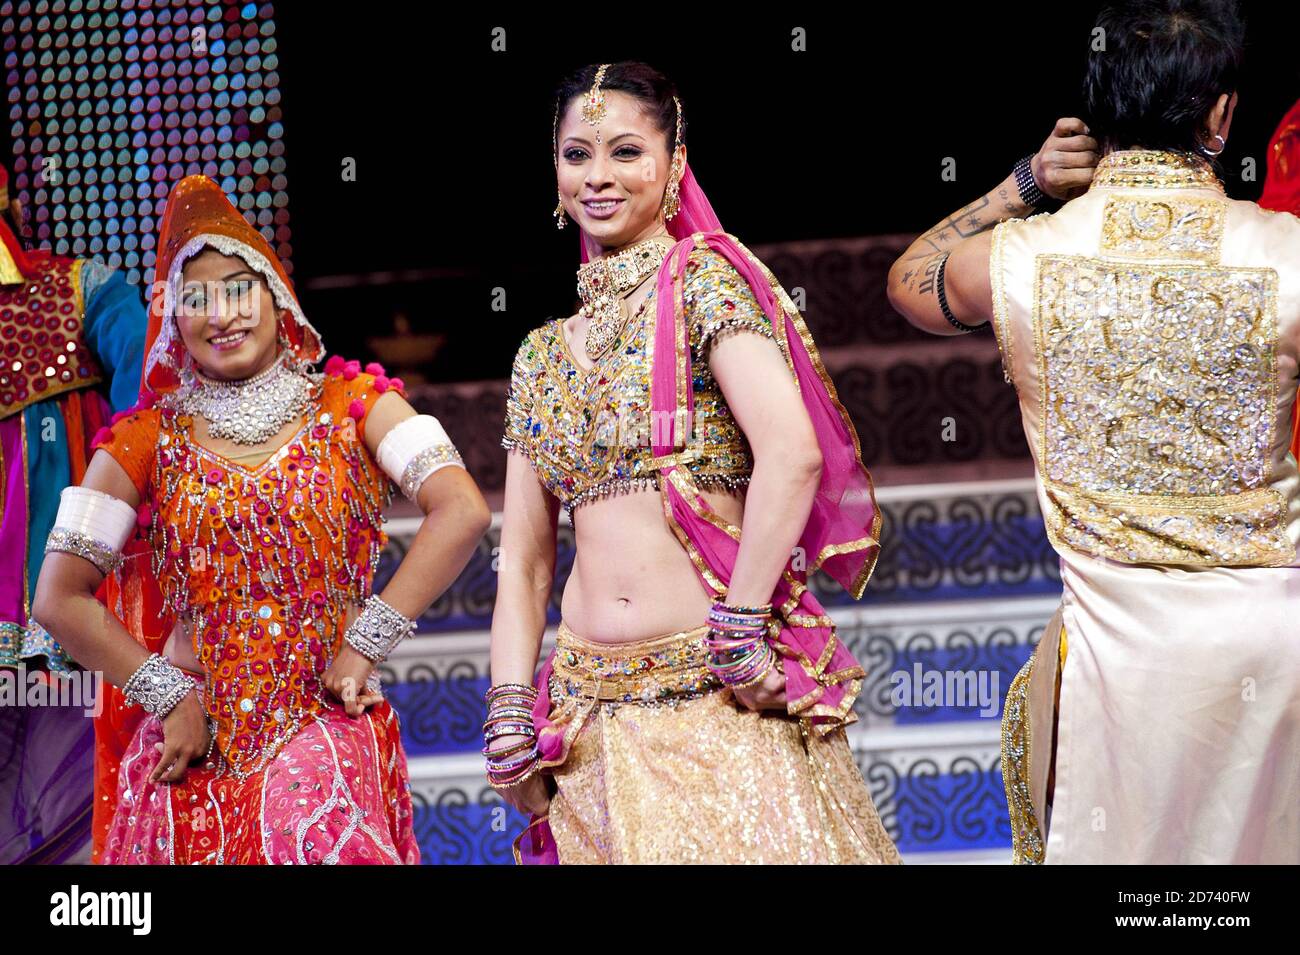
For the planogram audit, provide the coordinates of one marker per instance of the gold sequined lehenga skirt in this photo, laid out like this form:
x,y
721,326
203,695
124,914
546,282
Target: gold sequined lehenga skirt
x,y
664,766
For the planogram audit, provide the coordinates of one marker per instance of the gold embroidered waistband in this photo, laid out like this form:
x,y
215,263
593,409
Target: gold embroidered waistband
x,y
1247,529
641,671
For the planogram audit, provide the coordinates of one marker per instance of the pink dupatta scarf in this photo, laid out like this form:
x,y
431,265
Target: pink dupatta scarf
x,y
842,535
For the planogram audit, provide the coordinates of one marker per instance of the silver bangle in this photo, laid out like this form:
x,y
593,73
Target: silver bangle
x,y
93,525
377,630
158,685
413,449
83,545
424,464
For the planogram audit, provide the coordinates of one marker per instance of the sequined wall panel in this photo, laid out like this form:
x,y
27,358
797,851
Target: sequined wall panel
x,y
110,103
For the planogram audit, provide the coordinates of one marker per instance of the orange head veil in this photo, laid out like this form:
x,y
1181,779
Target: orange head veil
x,y
199,216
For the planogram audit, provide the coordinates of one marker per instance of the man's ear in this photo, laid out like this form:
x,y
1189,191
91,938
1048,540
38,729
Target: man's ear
x,y
1227,116
1220,116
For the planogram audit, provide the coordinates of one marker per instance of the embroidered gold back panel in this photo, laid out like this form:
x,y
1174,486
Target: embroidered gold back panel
x,y
588,433
1159,385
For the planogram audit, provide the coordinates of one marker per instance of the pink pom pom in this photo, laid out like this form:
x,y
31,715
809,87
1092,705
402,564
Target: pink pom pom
x,y
102,435
144,514
334,365
118,416
356,410
397,384
351,370
374,368
381,383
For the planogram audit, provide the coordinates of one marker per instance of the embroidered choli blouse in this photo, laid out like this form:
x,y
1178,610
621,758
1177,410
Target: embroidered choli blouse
x,y
587,433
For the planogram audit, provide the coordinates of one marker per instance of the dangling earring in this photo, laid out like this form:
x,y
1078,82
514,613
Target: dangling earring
x,y
672,197
1222,144
559,210
291,359
184,363
187,366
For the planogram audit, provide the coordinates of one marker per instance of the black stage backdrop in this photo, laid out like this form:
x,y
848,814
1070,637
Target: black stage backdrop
x,y
451,204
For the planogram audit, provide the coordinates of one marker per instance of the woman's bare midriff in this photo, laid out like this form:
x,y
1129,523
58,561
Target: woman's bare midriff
x,y
631,578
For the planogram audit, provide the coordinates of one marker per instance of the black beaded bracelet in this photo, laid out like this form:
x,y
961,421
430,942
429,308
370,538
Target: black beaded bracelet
x,y
1027,185
953,320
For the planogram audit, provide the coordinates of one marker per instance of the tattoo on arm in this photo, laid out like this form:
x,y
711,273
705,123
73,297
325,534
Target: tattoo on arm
x,y
962,224
925,275
931,274
1009,207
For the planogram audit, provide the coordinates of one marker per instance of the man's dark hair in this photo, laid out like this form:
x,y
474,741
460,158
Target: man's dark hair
x,y
1163,65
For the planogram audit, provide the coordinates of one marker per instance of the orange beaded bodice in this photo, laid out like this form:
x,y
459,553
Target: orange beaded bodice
x,y
262,563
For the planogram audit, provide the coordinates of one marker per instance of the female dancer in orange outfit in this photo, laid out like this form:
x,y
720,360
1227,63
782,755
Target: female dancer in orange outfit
x,y
260,489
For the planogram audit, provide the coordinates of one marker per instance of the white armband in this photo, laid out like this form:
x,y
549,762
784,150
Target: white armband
x,y
93,525
413,449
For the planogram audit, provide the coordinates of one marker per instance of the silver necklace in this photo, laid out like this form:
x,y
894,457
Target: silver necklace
x,y
251,411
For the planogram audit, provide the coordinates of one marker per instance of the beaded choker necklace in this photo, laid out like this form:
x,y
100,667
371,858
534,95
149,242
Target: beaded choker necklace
x,y
251,411
604,284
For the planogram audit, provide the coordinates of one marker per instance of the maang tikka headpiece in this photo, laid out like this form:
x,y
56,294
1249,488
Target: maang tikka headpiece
x,y
593,113
593,110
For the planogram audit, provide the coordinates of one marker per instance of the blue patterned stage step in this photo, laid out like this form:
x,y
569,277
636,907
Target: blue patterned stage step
x,y
955,607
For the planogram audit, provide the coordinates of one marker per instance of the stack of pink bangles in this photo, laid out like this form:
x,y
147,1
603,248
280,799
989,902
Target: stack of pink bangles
x,y
738,652
510,713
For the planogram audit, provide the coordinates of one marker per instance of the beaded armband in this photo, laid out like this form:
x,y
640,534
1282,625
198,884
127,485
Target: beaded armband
x,y
378,629
942,294
92,525
158,685
413,449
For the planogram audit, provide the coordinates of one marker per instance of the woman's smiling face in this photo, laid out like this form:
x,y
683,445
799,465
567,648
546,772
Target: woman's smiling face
x,y
226,316
614,190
